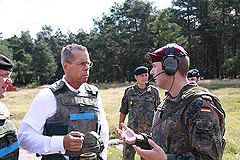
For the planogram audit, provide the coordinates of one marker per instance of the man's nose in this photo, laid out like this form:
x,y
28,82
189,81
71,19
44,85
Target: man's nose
x,y
151,72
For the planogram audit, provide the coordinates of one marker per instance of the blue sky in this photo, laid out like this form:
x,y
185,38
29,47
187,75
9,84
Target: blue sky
x,y
23,15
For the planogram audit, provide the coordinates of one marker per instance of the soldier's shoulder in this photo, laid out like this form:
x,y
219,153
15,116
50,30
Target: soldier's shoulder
x,y
201,106
154,87
4,113
129,88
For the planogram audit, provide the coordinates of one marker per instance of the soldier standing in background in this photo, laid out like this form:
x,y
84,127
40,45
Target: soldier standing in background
x,y
189,123
193,75
140,102
9,146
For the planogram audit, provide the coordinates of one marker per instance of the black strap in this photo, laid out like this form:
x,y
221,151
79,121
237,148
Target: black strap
x,y
99,139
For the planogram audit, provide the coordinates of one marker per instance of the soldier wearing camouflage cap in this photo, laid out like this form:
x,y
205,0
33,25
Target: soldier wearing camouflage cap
x,y
9,145
189,123
139,103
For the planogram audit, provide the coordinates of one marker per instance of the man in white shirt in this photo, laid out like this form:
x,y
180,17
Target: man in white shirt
x,y
61,116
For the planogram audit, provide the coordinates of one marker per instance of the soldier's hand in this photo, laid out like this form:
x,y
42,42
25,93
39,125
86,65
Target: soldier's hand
x,y
73,141
127,135
156,153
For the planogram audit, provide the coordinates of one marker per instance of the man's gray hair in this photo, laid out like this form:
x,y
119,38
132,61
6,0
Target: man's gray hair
x,y
66,54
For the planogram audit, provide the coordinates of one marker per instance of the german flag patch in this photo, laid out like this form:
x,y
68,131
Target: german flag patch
x,y
205,109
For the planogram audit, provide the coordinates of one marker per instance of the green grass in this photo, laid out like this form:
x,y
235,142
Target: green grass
x,y
227,91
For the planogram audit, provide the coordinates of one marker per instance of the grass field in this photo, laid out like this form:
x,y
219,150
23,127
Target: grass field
x,y
228,91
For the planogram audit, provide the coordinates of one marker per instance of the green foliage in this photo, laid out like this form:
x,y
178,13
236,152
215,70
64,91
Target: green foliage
x,y
208,30
43,62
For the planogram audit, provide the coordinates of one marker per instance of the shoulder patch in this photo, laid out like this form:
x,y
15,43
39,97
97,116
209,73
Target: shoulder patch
x,y
205,109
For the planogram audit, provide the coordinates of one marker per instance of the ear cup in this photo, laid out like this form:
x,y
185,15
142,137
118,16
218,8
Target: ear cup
x,y
170,65
170,62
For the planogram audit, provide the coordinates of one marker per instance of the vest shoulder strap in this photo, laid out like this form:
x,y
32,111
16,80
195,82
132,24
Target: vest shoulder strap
x,y
57,85
92,89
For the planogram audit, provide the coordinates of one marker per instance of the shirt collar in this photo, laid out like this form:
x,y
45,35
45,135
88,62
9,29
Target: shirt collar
x,y
71,88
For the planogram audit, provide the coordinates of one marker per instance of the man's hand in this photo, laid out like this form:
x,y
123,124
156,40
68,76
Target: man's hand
x,y
73,141
156,153
127,136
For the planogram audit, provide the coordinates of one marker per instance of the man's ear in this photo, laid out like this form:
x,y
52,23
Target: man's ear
x,y
65,66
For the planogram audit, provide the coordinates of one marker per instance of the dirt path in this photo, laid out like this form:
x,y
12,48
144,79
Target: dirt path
x,y
25,155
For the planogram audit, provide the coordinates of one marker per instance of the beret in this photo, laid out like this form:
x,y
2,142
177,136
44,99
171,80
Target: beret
x,y
5,63
193,73
159,54
140,70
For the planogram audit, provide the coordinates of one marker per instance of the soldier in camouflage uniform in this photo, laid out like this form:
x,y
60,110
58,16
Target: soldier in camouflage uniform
x,y
188,124
139,102
66,120
9,146
193,75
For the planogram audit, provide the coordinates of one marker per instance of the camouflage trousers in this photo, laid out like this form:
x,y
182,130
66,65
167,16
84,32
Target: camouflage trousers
x,y
128,152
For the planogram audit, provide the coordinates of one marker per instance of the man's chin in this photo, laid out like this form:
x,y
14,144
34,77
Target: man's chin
x,y
84,80
2,95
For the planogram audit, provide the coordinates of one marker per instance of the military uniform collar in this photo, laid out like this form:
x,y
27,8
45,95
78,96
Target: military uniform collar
x,y
187,86
137,89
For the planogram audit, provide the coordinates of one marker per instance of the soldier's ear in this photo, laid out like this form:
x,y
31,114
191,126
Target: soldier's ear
x,y
135,77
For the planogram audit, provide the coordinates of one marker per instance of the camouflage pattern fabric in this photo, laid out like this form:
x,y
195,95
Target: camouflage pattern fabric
x,y
140,105
193,132
68,104
8,137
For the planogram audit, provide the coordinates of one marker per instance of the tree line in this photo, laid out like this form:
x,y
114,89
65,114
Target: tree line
x,y
119,41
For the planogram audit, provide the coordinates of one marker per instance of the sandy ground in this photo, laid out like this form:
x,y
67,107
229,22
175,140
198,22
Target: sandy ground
x,y
25,155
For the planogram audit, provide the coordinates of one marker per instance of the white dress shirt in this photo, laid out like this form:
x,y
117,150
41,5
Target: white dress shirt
x,y
30,131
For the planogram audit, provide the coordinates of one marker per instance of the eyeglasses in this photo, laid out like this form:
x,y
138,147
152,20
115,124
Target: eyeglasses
x,y
83,64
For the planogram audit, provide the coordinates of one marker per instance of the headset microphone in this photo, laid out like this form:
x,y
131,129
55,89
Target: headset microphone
x,y
147,83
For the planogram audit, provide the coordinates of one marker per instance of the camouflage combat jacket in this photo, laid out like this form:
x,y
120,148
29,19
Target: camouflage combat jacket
x,y
140,106
75,112
193,132
9,145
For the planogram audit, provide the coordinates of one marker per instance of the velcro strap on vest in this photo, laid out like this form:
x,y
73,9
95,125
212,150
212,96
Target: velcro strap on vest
x,y
76,100
6,150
